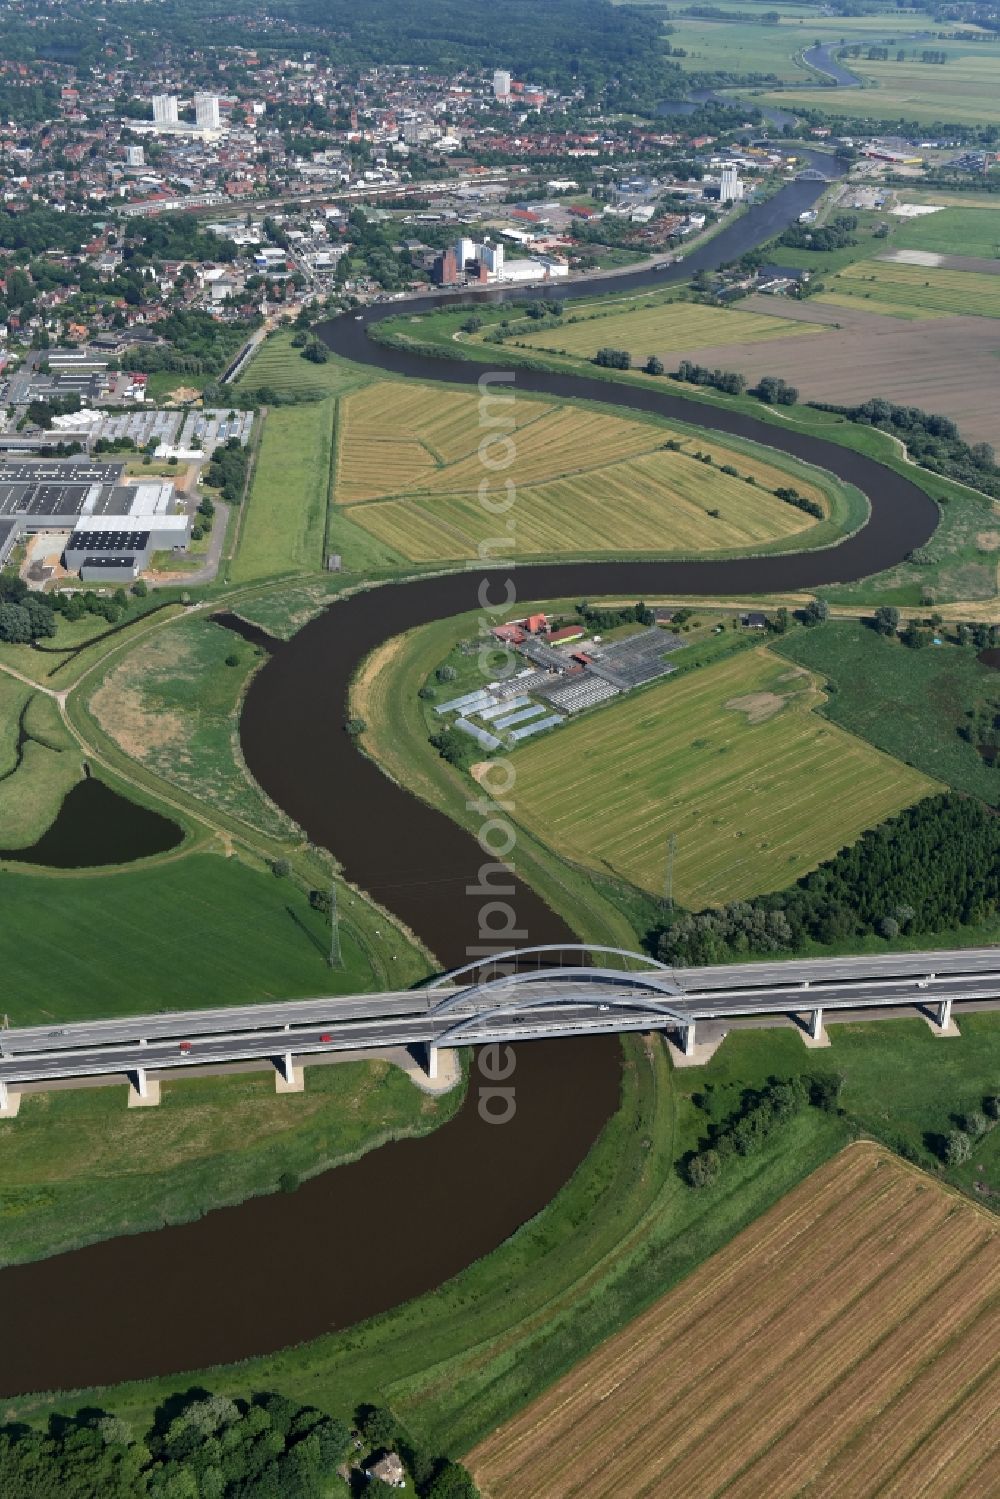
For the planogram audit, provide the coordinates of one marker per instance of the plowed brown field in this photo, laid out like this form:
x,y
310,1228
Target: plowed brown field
x,y
944,364
847,1344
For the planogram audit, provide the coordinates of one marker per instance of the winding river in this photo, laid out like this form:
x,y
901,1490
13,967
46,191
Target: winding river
x,y
280,1269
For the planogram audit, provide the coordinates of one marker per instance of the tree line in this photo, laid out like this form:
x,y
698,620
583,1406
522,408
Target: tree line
x,y
771,389
932,441
932,868
206,1446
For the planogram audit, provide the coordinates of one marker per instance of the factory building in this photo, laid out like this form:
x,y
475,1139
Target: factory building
x,y
102,517
730,186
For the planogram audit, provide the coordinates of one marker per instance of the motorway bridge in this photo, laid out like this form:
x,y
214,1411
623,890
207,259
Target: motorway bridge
x,y
533,994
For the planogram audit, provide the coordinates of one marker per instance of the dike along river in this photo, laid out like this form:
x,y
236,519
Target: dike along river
x,y
285,1268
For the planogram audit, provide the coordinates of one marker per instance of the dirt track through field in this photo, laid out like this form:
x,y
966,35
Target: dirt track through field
x,y
845,1343
949,365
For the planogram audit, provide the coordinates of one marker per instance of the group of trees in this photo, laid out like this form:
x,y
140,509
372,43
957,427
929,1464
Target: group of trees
x,y
27,616
761,1111
227,470
609,619
769,388
791,496
205,1446
931,440
774,391
835,235
933,868
26,621
956,1147
614,359
729,381
197,344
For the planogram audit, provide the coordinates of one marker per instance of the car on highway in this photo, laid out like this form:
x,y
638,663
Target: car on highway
x,y
186,1048
326,1038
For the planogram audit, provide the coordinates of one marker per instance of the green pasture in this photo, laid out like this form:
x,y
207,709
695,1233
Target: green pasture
x,y
284,516
190,930
953,231
910,703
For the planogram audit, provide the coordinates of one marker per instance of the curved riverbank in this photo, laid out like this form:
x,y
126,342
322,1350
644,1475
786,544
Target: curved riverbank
x,y
90,1317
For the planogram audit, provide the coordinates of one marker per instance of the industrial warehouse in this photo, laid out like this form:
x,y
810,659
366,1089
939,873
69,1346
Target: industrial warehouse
x,y
567,673
112,528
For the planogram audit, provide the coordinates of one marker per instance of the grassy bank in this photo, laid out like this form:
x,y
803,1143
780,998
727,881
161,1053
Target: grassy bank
x,y
172,704
282,528
625,1228
39,763
78,1166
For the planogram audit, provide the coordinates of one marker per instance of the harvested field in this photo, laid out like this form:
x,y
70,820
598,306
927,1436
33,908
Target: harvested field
x,y
934,287
409,470
845,1344
944,364
667,496
754,804
661,330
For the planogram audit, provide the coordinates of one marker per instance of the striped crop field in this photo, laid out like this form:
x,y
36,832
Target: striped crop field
x,y
409,469
963,293
757,788
659,499
664,329
847,1343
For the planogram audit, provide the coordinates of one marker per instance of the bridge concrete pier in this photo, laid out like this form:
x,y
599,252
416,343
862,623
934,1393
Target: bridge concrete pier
x,y
942,1024
143,1091
691,1053
814,1035
10,1102
287,1077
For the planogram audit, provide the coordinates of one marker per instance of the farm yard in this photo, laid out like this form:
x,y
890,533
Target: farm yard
x,y
732,759
663,328
844,1343
408,470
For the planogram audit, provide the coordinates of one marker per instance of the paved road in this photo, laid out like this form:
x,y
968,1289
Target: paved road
x,y
534,1006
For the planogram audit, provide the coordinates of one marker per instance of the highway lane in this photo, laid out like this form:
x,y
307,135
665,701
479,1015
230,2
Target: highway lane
x,y
564,1007
720,989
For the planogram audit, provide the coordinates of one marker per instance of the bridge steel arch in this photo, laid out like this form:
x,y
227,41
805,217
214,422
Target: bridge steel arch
x,y
511,993
516,954
665,1014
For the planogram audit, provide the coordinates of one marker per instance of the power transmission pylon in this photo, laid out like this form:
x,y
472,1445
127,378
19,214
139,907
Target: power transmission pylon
x,y
335,960
669,882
